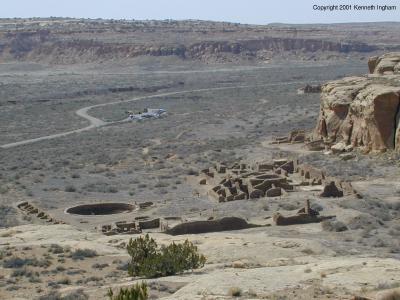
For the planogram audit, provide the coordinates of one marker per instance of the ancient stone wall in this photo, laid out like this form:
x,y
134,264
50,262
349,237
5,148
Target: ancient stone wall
x,y
224,224
269,179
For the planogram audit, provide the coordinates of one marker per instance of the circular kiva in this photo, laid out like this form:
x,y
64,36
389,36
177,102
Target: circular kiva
x,y
100,209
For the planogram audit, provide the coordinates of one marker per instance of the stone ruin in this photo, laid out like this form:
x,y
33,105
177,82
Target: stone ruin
x,y
309,89
32,210
295,136
224,224
125,227
120,227
150,224
304,216
240,182
269,179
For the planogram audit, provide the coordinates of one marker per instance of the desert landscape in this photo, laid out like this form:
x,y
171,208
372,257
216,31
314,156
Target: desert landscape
x,y
270,151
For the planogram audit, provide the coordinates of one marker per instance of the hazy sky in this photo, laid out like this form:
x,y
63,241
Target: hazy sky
x,y
243,11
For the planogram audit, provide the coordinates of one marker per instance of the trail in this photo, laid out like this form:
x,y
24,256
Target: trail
x,y
97,123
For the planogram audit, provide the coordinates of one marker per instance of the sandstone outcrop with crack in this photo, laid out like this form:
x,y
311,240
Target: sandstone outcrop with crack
x,y
363,111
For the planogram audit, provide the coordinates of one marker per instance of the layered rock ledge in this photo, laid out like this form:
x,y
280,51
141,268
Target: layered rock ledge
x,y
363,111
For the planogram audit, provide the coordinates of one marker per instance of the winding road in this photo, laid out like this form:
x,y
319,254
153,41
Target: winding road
x,y
96,123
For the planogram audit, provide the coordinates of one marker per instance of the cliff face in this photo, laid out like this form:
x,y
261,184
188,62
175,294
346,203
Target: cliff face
x,y
62,41
363,111
41,46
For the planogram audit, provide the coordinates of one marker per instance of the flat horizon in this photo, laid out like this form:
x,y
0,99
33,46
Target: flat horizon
x,y
193,20
257,12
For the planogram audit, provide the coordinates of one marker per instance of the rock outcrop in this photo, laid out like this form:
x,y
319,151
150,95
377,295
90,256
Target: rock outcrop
x,y
363,111
386,64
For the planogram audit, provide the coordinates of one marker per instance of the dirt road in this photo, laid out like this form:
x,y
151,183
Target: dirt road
x,y
96,123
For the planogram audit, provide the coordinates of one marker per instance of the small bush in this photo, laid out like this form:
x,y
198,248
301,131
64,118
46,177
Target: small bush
x,y
337,226
60,269
235,292
123,266
161,184
76,295
64,280
149,260
136,292
89,279
70,188
35,279
192,172
308,251
99,266
308,270
56,249
83,253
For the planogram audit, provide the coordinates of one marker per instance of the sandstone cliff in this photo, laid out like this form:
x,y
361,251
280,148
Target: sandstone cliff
x,y
69,41
44,46
363,111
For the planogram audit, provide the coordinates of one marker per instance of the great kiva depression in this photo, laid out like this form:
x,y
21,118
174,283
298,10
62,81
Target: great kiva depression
x,y
355,7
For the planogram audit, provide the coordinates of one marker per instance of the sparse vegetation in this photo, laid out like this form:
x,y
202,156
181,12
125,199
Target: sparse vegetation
x,y
24,272
136,292
149,260
80,254
17,262
75,295
64,280
56,249
100,187
99,266
7,216
332,225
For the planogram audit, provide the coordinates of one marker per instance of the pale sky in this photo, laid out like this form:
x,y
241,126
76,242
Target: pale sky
x,y
242,11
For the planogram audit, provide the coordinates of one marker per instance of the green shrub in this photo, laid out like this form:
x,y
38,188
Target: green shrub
x,y
136,292
149,260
